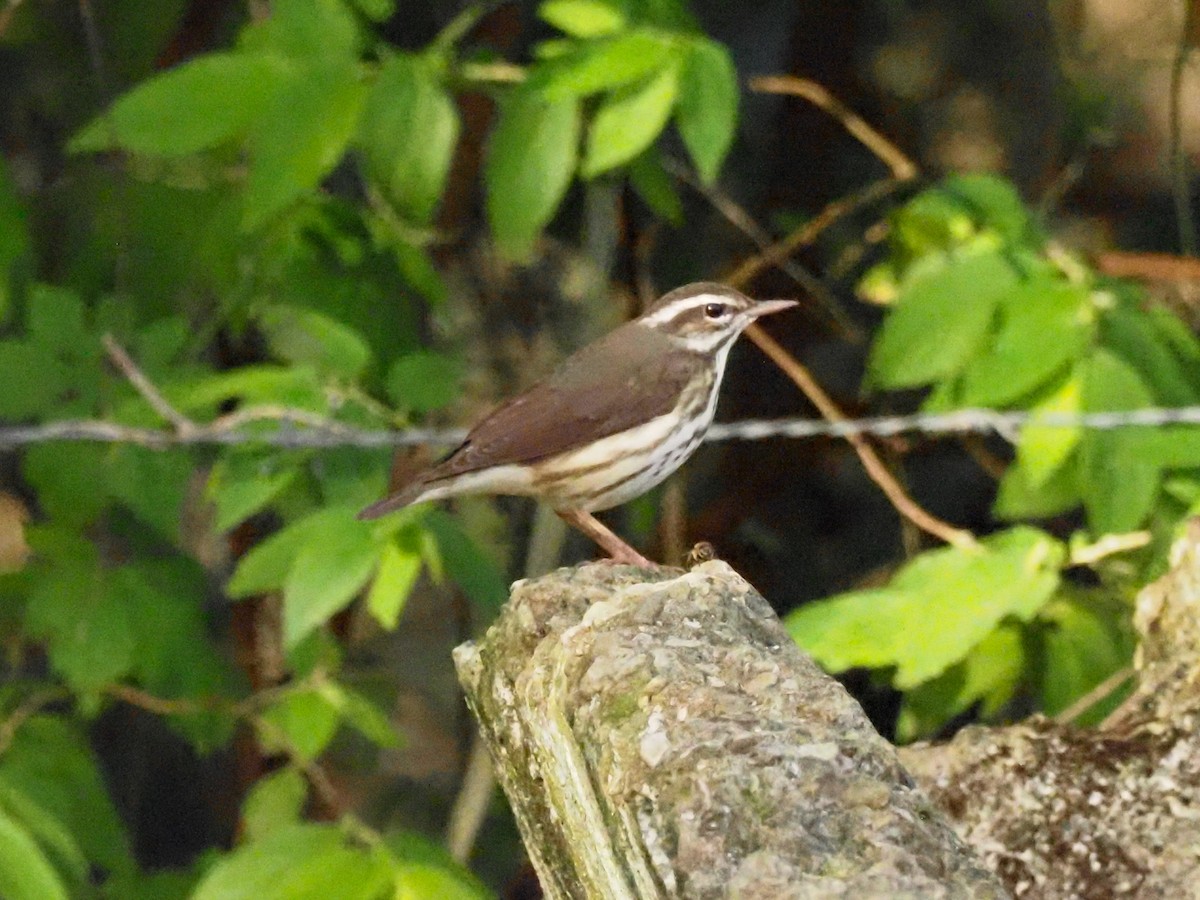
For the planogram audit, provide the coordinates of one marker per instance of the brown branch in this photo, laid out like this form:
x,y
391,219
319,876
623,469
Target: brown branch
x,y
1105,688
878,472
145,387
903,168
27,709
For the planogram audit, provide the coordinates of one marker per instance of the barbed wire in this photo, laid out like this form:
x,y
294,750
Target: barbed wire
x,y
302,430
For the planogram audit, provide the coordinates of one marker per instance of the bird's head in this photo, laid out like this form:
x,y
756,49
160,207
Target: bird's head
x,y
706,316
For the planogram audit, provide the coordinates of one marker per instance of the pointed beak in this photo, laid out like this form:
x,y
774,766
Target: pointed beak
x,y
766,307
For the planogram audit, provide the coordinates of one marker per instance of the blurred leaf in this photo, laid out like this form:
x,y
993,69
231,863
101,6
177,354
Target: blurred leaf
x,y
992,201
1119,482
266,566
424,380
306,30
988,676
936,608
376,10
50,762
1042,449
51,834
1017,498
243,483
583,18
301,335
602,65
300,136
399,568
655,187
85,624
708,106
531,158
1019,358
480,579
408,133
363,715
425,869
302,721
933,222
1081,646
277,799
629,120
1131,335
295,385
25,872
296,862
32,381
329,570
153,485
957,304
197,105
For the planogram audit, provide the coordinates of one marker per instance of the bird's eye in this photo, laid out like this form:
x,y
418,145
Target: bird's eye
x,y
715,310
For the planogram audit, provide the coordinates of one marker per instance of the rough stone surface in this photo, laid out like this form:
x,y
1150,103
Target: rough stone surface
x,y
660,735
1111,812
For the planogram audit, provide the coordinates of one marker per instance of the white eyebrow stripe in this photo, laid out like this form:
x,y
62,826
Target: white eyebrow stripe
x,y
674,308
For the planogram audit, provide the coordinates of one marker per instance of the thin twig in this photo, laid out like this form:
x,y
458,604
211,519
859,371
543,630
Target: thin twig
x,y
1095,695
1109,545
878,472
1181,176
27,709
472,802
740,219
778,252
145,387
903,168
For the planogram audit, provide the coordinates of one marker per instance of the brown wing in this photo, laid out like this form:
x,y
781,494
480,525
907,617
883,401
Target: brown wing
x,y
625,378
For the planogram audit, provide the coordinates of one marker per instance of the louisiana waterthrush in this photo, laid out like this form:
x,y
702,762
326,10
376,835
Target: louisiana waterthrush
x,y
611,422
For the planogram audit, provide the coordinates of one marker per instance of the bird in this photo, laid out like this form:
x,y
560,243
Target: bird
x,y
611,422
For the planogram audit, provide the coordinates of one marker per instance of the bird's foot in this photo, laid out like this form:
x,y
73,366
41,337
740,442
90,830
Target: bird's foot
x,y
620,553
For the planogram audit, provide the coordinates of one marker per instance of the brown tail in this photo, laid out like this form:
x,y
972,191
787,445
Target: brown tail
x,y
402,498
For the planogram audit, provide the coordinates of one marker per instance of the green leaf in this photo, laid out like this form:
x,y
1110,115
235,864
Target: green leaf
x,y
85,623
654,186
260,384
989,676
51,834
307,30
478,576
301,335
1020,359
1017,498
937,608
362,714
583,18
152,485
424,869
297,862
1042,449
424,380
25,872
1132,335
266,566
1119,481
300,136
50,762
629,120
708,106
243,483
940,320
329,570
399,568
992,201
71,480
531,158
302,722
1081,645
32,381
603,65
408,133
199,104
276,800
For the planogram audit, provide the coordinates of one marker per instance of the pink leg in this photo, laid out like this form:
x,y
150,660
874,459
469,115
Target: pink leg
x,y
620,551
